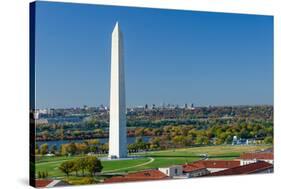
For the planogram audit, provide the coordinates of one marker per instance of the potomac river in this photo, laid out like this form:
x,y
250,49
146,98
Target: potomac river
x,y
58,143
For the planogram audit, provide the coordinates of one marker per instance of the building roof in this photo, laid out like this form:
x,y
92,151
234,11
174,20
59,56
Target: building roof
x,y
261,155
42,183
203,164
220,163
138,176
245,169
187,168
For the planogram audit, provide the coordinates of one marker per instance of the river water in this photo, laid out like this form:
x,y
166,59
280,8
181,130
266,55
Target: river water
x,y
58,143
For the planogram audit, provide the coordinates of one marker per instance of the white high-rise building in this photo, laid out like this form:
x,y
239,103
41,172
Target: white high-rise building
x,y
117,124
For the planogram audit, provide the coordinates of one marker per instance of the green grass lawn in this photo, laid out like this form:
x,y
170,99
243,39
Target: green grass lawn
x,y
151,160
212,151
52,166
120,164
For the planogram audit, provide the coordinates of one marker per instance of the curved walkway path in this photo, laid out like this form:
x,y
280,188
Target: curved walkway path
x,y
139,165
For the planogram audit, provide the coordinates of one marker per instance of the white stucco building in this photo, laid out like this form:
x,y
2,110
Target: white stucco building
x,y
172,171
248,158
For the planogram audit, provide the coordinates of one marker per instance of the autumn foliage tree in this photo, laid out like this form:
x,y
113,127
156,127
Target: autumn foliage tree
x,y
93,165
67,167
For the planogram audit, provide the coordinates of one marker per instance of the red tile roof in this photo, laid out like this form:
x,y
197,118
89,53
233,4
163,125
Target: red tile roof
x,y
245,169
257,156
202,164
42,183
138,176
219,163
187,168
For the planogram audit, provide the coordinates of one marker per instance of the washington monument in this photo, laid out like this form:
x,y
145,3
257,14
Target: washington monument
x,y
117,123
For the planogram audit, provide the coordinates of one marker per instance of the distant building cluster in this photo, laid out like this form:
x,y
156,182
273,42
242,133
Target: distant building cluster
x,y
78,114
243,141
49,112
163,106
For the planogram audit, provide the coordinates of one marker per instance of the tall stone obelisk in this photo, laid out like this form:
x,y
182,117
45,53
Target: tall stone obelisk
x,y
117,124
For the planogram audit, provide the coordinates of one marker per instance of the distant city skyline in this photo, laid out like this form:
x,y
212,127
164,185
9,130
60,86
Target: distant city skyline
x,y
171,56
150,106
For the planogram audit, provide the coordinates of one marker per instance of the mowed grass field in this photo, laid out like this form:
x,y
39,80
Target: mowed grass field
x,y
155,159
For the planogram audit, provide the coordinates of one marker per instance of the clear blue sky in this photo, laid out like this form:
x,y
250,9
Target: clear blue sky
x,y
171,56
